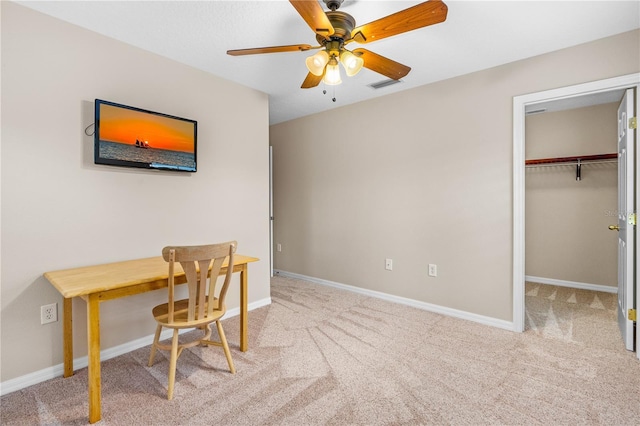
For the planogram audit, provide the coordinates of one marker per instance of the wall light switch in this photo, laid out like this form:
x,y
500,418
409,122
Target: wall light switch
x,y
388,264
433,270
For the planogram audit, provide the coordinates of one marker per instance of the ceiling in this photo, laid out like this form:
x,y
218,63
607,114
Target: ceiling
x,y
476,35
581,101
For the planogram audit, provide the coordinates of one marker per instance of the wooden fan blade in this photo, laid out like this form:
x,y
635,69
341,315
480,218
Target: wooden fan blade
x,y
314,16
312,80
418,16
382,65
273,49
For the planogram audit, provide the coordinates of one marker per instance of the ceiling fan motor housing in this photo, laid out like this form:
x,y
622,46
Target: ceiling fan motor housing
x,y
342,24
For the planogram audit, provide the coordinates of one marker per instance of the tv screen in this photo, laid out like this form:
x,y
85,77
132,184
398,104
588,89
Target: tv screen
x,y
133,137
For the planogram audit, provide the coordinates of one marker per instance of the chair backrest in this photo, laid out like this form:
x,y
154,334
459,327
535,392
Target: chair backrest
x,y
198,262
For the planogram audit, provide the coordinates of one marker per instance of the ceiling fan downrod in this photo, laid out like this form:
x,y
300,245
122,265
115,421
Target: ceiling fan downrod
x,y
333,5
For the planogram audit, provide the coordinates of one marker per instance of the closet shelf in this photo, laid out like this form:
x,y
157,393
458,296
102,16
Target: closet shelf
x,y
577,160
574,159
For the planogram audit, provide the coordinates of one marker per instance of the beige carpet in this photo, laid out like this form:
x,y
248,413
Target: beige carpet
x,y
319,356
584,317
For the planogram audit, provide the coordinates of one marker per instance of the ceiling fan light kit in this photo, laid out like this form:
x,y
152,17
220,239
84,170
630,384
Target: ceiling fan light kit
x,y
334,29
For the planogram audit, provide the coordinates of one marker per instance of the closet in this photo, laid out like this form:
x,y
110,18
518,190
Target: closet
x,y
571,199
571,196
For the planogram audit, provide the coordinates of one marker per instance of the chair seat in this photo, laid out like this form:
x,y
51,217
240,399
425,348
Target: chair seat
x,y
161,314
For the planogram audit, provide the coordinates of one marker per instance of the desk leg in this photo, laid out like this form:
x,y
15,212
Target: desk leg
x,y
93,338
67,336
244,341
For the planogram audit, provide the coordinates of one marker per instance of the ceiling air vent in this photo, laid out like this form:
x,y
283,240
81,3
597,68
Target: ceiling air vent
x,y
384,83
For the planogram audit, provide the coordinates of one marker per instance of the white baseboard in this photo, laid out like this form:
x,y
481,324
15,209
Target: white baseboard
x,y
30,379
572,284
494,322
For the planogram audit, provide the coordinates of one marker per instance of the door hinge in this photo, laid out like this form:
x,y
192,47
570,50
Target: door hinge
x,y
631,220
633,123
632,315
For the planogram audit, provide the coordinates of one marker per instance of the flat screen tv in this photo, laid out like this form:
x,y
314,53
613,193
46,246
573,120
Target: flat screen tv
x,y
132,137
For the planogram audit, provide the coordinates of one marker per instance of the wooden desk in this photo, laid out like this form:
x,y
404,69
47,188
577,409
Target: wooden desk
x,y
95,284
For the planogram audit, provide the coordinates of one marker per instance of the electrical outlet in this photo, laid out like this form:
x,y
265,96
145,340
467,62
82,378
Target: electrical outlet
x,y
433,270
388,264
279,247
48,313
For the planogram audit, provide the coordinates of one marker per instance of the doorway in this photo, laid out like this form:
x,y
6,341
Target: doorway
x,y
576,93
570,197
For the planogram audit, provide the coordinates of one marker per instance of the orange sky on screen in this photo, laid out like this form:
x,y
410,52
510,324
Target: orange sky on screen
x,y
125,126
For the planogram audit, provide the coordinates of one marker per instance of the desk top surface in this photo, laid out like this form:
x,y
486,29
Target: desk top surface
x,y
92,279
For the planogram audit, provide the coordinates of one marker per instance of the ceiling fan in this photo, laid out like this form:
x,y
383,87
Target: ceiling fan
x,y
335,29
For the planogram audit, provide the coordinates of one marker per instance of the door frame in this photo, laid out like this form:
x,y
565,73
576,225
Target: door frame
x,y
271,211
519,104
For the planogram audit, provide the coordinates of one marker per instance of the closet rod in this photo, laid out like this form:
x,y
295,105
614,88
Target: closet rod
x,y
580,158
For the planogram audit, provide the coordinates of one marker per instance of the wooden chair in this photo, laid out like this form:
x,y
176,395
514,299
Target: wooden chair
x,y
201,308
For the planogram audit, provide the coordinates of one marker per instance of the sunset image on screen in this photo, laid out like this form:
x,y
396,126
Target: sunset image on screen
x,y
126,126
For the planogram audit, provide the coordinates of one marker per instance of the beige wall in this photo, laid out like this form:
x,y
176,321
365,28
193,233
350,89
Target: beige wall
x,y
566,220
59,210
421,176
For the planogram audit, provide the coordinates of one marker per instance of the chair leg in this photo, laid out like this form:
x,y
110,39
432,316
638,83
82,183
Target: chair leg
x,y
206,329
172,363
154,346
225,346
